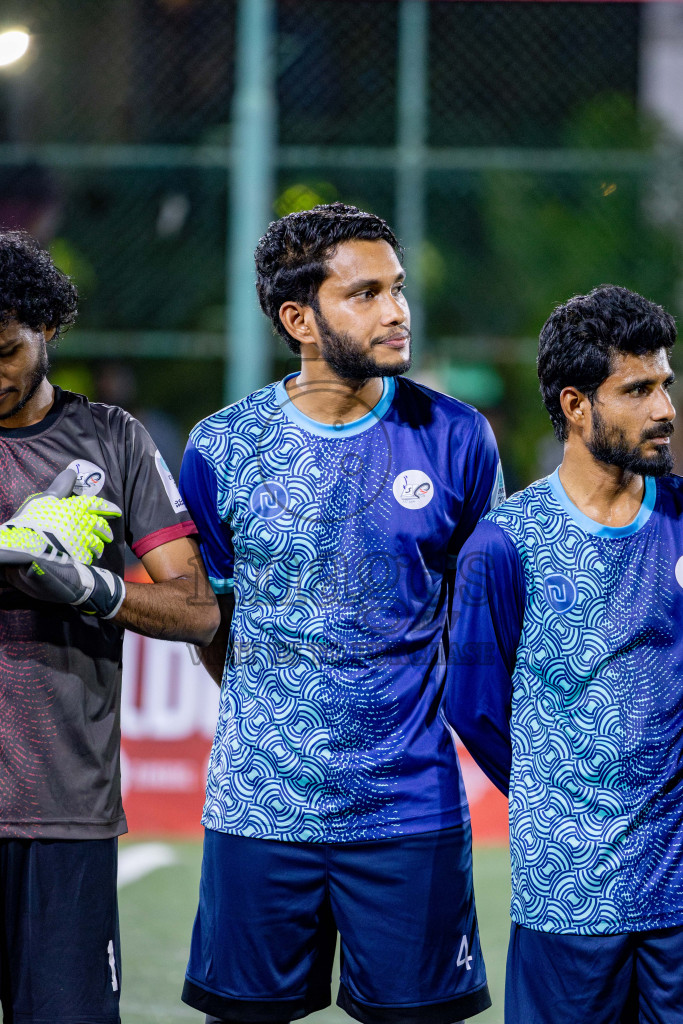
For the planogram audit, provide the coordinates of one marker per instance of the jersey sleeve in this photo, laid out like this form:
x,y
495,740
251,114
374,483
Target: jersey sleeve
x,y
199,488
484,486
486,625
154,511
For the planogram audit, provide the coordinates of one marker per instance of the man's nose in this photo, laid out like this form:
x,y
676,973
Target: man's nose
x,y
664,407
395,310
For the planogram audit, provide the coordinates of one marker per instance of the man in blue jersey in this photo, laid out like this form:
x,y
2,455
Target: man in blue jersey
x,y
330,507
573,590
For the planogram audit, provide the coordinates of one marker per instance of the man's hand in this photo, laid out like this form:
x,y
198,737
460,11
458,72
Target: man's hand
x,y
77,525
93,591
40,541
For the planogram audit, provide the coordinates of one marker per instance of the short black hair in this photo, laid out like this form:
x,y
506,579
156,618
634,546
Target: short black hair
x,y
580,338
291,258
32,290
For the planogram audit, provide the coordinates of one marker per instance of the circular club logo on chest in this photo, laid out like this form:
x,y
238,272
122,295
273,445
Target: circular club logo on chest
x,y
89,477
560,592
269,500
413,488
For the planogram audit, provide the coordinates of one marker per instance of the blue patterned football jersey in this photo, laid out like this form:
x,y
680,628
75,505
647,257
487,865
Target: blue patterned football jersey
x,y
577,700
337,540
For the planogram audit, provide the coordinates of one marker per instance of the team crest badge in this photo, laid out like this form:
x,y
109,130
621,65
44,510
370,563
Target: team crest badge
x,y
90,478
413,488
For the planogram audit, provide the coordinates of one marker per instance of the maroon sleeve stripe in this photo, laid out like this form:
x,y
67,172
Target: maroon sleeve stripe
x,y
159,537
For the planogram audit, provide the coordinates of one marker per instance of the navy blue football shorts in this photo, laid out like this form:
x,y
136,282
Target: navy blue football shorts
x,y
59,931
269,911
635,978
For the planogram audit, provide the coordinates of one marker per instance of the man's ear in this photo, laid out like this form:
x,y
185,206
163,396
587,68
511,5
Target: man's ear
x,y
576,408
48,333
297,320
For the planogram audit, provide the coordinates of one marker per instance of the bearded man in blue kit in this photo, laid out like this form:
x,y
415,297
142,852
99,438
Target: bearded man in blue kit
x,y
330,507
574,587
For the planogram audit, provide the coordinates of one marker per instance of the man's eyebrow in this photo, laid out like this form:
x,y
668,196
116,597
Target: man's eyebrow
x,y
645,382
358,286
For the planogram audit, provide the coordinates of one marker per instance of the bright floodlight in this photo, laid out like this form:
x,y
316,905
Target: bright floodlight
x,y
13,45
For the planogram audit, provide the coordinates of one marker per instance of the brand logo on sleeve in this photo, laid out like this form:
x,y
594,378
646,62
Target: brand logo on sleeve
x,y
413,488
269,500
90,478
170,486
560,592
498,492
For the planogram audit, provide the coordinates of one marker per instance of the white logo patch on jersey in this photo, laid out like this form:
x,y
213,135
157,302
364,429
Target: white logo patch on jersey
x,y
679,571
413,488
89,477
169,483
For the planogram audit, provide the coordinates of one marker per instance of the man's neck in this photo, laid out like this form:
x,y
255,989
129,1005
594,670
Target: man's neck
x,y
607,494
35,410
321,395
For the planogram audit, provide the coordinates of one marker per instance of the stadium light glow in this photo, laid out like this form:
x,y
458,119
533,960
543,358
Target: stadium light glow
x,y
13,45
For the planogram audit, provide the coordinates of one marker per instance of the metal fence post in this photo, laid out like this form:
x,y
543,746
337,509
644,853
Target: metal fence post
x,y
250,196
410,177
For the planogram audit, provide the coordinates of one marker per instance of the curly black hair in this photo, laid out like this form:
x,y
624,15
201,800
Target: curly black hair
x,y
580,338
32,290
291,258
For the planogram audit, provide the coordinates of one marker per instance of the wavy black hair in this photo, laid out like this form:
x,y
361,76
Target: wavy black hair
x,y
579,340
291,258
32,290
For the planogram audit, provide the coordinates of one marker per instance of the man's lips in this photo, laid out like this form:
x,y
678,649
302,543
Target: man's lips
x,y
661,437
395,341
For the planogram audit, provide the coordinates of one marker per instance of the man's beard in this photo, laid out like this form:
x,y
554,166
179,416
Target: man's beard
x,y
342,354
36,378
608,444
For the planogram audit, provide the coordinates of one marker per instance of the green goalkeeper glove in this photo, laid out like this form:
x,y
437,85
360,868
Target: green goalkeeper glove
x,y
37,564
19,546
77,525
92,590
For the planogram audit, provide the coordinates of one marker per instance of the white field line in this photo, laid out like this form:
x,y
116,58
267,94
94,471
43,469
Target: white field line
x,y
137,861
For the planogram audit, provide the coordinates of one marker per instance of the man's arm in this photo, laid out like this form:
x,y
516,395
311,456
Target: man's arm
x,y
199,487
178,604
484,489
486,625
214,655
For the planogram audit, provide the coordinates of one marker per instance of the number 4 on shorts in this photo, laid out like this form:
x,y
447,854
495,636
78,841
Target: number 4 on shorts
x,y
464,956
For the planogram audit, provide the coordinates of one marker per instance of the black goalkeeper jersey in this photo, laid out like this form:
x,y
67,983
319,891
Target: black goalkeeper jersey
x,y
60,670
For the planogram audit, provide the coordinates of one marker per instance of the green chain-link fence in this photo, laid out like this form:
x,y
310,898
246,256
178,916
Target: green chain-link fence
x,y
534,174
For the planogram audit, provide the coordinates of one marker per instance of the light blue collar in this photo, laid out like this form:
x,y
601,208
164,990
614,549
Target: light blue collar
x,y
289,410
599,529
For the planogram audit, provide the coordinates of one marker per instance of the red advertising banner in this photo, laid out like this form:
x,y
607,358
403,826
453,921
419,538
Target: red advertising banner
x,y
168,715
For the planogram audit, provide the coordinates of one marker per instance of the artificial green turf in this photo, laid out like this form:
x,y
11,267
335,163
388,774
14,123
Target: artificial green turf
x,y
156,919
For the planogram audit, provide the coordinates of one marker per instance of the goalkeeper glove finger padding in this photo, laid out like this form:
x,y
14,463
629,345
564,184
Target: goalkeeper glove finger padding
x,y
19,546
92,590
77,525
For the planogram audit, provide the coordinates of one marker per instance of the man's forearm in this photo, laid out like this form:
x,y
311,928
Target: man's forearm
x,y
214,655
168,610
213,659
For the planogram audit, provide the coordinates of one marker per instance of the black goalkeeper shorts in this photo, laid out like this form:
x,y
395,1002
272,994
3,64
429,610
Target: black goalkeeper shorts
x,y
59,931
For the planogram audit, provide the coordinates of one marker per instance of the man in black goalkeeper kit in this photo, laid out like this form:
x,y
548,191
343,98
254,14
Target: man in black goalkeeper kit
x,y
95,482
